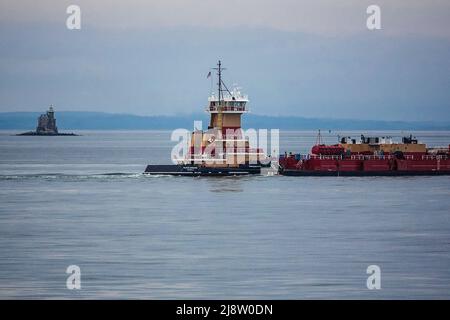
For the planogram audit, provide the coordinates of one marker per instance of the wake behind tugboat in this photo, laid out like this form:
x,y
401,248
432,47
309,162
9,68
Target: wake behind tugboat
x,y
71,177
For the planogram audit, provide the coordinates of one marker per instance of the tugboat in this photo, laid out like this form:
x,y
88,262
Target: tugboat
x,y
368,156
222,150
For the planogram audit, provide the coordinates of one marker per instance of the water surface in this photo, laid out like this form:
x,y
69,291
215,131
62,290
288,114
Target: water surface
x,y
83,201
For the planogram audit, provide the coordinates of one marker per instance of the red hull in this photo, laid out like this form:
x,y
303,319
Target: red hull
x,y
374,165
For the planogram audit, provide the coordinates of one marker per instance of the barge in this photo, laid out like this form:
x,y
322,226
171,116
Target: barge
x,y
368,156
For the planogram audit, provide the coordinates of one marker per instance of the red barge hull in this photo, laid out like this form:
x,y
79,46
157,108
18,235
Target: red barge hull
x,y
310,173
368,158
326,166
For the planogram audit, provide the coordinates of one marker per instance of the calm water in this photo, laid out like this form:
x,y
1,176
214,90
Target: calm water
x,y
83,201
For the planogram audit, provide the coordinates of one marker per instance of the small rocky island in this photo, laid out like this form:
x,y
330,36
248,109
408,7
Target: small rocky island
x,y
46,126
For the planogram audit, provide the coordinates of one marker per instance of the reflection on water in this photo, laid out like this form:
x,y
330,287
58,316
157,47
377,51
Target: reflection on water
x,y
225,184
225,189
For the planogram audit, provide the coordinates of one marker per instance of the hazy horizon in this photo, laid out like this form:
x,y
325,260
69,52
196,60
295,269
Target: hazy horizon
x,y
202,113
78,120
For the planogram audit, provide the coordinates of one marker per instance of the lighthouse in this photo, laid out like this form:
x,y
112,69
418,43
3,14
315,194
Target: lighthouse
x,y
47,123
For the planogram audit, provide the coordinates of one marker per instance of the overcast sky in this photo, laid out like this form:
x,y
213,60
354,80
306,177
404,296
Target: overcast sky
x,y
312,58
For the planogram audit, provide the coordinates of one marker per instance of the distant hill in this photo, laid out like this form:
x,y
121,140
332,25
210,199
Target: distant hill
x,y
71,120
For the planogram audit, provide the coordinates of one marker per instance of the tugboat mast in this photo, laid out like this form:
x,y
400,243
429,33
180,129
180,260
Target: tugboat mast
x,y
219,73
221,83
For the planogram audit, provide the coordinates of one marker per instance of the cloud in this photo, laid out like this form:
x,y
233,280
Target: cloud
x,y
321,17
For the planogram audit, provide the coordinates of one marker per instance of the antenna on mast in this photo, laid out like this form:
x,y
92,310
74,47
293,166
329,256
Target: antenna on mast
x,y
319,138
220,82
